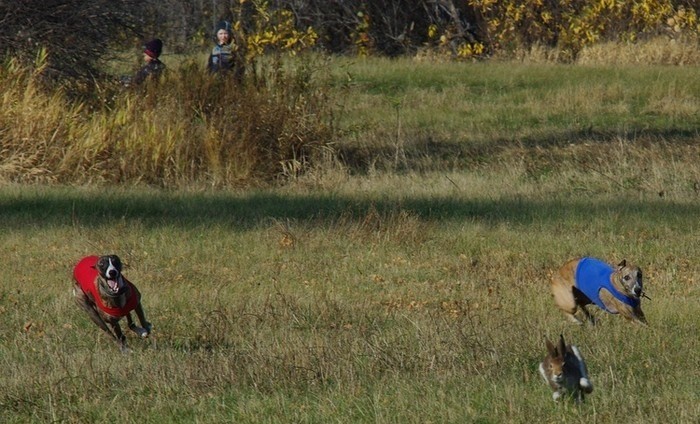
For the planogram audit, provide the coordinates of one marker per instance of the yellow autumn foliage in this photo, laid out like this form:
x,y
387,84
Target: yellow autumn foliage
x,y
275,30
571,25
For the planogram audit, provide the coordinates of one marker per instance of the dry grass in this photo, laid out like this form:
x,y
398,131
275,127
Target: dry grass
x,y
660,50
428,117
412,299
189,128
410,290
656,51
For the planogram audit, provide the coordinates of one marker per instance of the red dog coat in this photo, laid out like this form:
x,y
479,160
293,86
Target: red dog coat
x,y
85,274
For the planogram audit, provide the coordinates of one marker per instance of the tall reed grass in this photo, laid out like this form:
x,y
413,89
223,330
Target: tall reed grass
x,y
187,128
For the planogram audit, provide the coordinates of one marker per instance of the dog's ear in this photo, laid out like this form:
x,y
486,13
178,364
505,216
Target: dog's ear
x,y
116,261
622,264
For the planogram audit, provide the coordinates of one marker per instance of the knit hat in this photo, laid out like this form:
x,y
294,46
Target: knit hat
x,y
225,25
154,48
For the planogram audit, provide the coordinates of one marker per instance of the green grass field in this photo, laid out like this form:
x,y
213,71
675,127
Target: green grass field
x,y
410,285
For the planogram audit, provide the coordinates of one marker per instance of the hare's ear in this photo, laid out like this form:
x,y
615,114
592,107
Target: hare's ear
x,y
622,264
551,350
562,345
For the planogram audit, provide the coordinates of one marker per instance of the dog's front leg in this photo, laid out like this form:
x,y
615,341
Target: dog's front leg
x,y
640,318
145,328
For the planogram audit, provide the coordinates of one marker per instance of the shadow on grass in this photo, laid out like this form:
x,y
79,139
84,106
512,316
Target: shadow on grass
x,y
66,207
426,154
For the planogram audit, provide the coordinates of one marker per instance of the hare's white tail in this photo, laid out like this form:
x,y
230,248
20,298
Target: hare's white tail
x,y
586,385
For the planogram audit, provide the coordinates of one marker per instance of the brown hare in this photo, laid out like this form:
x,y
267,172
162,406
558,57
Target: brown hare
x,y
565,371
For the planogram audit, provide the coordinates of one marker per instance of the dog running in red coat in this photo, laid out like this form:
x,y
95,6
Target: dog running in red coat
x,y
107,296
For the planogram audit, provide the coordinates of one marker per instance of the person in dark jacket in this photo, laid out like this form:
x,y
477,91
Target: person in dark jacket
x,y
152,67
221,58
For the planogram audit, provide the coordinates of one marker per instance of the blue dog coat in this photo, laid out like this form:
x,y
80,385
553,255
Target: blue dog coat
x,y
593,275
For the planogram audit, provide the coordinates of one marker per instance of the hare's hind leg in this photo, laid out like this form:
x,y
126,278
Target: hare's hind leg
x,y
584,382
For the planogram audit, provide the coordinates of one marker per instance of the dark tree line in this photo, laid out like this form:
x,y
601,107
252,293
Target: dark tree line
x,y
395,26
75,33
78,33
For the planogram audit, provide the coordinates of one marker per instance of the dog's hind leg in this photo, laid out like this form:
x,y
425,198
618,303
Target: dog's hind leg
x,y
588,315
88,307
564,299
573,318
121,338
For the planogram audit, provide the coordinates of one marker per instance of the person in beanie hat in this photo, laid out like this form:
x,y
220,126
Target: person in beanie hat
x,y
153,48
152,67
221,58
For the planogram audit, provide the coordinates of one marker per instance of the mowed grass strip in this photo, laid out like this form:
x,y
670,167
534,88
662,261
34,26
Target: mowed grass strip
x,y
379,306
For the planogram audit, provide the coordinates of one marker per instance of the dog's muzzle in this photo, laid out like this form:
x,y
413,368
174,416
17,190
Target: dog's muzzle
x,y
111,272
115,284
113,278
637,290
